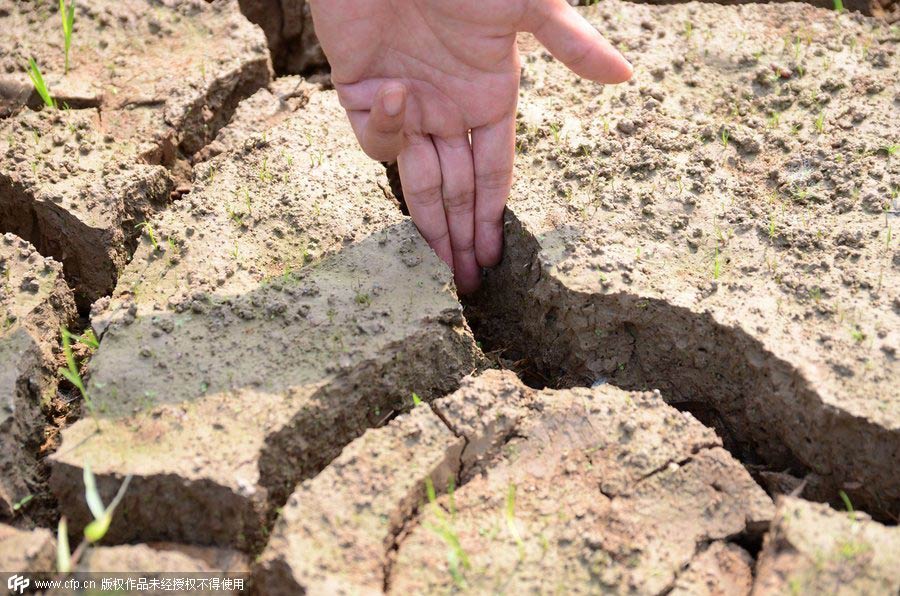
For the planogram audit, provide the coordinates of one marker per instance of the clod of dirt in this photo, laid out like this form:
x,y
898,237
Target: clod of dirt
x,y
259,113
716,230
279,310
577,488
145,560
34,303
289,32
723,568
167,76
813,549
76,193
335,533
27,551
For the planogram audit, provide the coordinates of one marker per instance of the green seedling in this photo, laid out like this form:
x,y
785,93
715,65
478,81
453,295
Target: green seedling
x,y
18,505
725,137
839,5
417,401
857,334
68,20
717,265
891,150
846,501
510,515
457,560
96,530
820,122
37,79
151,233
554,128
63,554
71,373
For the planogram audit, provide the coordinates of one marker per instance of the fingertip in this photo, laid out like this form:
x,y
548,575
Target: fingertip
x,y
393,98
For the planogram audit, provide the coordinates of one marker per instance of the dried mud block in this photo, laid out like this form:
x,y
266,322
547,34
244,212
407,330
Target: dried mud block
x,y
274,314
716,230
166,76
34,303
290,33
76,193
586,489
163,558
27,551
722,569
813,549
581,490
260,112
336,531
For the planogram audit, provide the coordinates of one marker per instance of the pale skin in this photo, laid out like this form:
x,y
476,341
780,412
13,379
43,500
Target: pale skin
x,y
433,84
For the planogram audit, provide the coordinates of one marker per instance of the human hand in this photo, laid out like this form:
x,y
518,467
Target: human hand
x,y
418,77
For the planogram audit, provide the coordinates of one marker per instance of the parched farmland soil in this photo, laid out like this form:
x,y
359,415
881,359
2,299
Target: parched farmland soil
x,y
699,301
148,86
721,230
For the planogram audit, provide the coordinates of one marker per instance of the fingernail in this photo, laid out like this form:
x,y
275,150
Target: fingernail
x,y
393,101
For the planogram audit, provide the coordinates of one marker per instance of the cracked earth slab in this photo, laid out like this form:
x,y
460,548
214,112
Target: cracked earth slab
x,y
33,552
148,83
165,75
716,230
34,303
27,551
280,309
259,113
813,549
578,488
76,193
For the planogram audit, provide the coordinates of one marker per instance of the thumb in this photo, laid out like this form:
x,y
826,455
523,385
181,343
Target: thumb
x,y
380,130
575,42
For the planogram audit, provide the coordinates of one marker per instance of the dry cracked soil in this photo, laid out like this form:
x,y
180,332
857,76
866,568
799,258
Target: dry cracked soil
x,y
682,378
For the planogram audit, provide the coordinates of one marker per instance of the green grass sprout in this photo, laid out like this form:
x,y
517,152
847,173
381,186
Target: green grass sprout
x,y
457,560
37,79
96,530
417,401
146,227
839,5
63,554
68,20
18,505
510,515
72,373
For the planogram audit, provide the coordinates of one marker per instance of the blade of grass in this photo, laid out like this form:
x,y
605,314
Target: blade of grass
x,y
37,79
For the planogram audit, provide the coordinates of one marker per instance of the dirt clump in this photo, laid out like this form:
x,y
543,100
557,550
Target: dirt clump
x,y
716,229
27,551
76,193
276,313
34,303
528,491
813,549
260,112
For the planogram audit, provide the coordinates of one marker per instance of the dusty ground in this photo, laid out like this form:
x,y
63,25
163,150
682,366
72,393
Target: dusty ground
x,y
717,230
77,181
700,292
